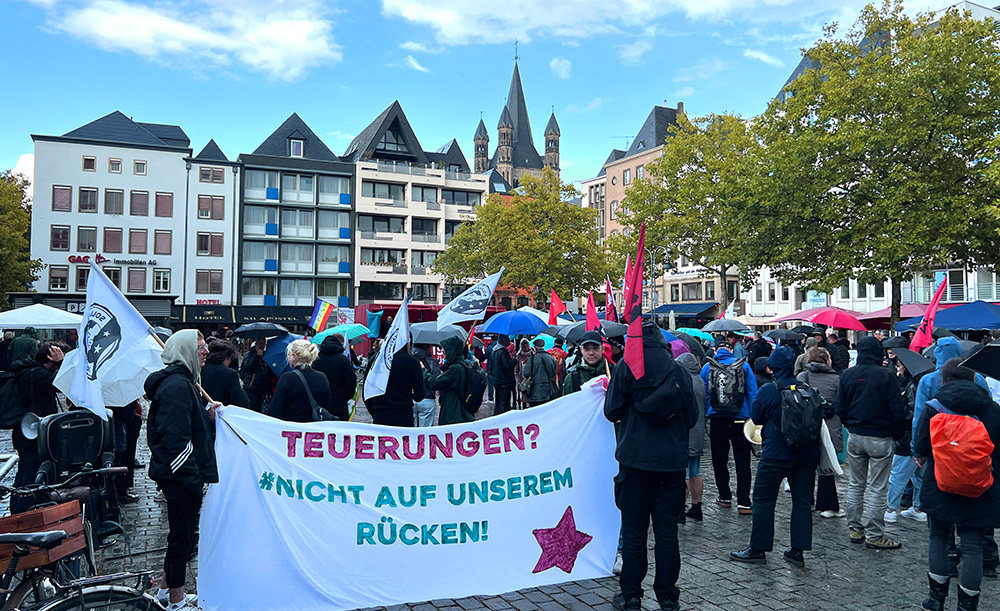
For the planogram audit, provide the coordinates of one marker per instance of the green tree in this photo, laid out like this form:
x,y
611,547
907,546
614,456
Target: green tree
x,y
544,241
877,163
692,198
18,268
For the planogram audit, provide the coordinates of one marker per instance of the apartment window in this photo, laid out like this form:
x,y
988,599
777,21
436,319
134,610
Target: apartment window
x,y
424,258
209,281
114,166
259,251
112,239
614,210
772,292
114,201
732,289
89,163
138,203
139,167
59,237
161,280
328,219
845,291
162,240
627,177
640,172
450,227
213,207
758,292
460,198
879,290
784,293
216,246
423,227
296,182
62,199
382,256
136,243
675,292
333,288
296,148
58,277
258,215
114,274
382,190
709,286
333,254
424,291
295,292
88,199
136,280
256,287
165,204
82,274
216,175
297,253
385,224
330,185
259,179
86,239
862,290
691,291
423,194
296,218
392,141
210,244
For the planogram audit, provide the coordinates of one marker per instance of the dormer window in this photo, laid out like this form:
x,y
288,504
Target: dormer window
x,y
296,147
392,142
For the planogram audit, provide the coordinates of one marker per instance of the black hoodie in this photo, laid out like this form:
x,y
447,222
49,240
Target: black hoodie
x,y
177,429
869,401
656,411
337,367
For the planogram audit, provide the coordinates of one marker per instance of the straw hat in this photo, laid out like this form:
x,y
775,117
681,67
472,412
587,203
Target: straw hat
x,y
752,432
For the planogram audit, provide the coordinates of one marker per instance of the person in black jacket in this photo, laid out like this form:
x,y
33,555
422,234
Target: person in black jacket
x,y
291,400
841,348
218,379
182,457
758,348
339,372
655,414
501,373
870,405
777,462
973,518
404,387
33,379
253,373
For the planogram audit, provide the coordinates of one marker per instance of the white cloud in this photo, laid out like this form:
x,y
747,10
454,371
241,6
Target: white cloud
x,y
592,105
684,92
763,57
561,67
417,47
282,39
631,54
26,166
339,135
412,63
703,70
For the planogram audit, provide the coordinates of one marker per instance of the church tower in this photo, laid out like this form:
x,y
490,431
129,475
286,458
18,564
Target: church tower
x,y
481,147
505,146
552,144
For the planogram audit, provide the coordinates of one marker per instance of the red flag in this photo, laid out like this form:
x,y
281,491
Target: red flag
x,y
626,288
593,322
556,307
610,313
924,336
632,311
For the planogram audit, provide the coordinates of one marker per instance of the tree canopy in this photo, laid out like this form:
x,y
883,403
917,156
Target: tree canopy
x,y
18,268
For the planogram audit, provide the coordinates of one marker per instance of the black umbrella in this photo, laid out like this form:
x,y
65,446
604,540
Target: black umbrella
x,y
805,329
897,341
986,361
696,346
260,329
574,333
724,324
783,335
913,362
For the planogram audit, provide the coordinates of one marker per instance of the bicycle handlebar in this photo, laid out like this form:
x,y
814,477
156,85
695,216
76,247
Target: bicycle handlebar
x,y
32,489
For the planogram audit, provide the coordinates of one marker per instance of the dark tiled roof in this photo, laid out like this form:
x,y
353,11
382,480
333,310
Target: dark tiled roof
x,y
654,131
497,182
481,132
170,134
276,145
211,152
448,155
117,128
553,126
363,147
804,64
525,155
505,120
615,155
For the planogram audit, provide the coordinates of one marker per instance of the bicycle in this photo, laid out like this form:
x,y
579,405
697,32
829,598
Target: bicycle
x,y
54,587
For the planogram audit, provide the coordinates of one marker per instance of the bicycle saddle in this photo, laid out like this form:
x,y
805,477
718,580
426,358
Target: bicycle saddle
x,y
43,540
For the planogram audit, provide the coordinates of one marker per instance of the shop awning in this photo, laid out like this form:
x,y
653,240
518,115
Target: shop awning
x,y
685,309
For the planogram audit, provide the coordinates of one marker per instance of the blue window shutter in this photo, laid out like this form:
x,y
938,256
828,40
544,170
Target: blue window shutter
x,y
272,193
343,302
345,267
270,265
345,233
271,229
345,198
270,300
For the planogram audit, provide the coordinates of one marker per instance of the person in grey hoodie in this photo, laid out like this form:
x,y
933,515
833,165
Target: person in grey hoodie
x,y
696,439
819,374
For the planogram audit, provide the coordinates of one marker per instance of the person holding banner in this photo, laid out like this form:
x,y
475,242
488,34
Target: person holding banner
x,y
656,413
182,455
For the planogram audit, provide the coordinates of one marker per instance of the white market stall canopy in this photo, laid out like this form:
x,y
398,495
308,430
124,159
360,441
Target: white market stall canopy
x,y
39,316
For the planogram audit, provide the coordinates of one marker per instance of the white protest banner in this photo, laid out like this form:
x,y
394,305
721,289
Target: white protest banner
x,y
472,303
341,515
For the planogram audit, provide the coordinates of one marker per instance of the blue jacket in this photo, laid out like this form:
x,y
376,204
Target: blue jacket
x,y
947,348
766,410
725,356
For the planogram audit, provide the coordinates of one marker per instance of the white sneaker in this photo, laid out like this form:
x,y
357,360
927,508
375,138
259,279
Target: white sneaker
x,y
190,601
833,514
618,564
914,514
163,596
891,516
159,498
788,488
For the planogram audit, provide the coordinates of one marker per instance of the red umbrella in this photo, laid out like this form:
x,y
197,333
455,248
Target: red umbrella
x,y
836,318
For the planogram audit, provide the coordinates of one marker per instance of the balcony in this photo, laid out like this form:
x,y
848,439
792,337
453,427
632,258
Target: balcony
x,y
418,270
427,237
381,235
988,291
394,203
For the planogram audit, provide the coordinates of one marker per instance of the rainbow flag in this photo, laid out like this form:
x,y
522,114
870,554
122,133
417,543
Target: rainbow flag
x,y
321,314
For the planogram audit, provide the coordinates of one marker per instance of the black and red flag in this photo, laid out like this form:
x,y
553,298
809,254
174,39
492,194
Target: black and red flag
x,y
632,311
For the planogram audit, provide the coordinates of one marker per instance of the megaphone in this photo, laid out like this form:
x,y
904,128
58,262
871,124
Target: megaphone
x,y
752,432
29,426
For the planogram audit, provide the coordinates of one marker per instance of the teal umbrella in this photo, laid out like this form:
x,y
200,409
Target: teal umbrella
x,y
350,330
698,333
550,342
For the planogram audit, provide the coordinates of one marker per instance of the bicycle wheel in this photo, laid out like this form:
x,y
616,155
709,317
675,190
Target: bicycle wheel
x,y
103,598
27,596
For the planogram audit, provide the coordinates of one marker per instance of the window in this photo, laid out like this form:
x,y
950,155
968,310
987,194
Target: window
x,y
82,273
59,237
627,177
112,239
460,198
333,254
614,210
114,201
295,292
424,258
210,244
258,215
213,207
862,290
333,185
259,179
393,142
208,281
424,292
296,147
138,203
296,253
114,274
382,256
382,190
136,243
386,224
675,292
86,239
879,290
295,182
89,163
136,280
114,166
62,199
423,194
732,289
88,199
691,291
784,293
640,172
216,175
162,240
845,291
423,227
709,287
259,251
297,218
378,291
450,227
333,288
758,292
771,292
139,167
58,277
165,204
161,280
333,220
614,180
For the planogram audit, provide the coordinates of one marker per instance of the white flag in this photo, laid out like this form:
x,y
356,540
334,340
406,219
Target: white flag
x,y
470,305
111,326
396,340
730,311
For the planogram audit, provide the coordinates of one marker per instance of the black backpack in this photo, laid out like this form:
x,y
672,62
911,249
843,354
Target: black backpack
x,y
473,388
727,386
12,409
801,416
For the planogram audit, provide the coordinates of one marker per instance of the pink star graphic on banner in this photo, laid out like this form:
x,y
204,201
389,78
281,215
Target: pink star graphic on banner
x,y
561,544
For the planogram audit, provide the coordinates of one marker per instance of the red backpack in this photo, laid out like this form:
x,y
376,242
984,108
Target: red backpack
x,y
962,452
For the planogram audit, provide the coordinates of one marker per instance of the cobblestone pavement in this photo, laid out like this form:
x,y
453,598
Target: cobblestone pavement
x,y
838,575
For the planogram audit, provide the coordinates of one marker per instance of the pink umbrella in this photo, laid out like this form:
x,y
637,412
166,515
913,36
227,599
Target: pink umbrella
x,y
836,318
804,314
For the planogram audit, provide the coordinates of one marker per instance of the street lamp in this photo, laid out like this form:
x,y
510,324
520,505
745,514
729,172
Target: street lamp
x,y
651,253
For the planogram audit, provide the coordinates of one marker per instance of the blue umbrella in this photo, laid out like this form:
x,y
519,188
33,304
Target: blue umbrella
x,y
667,335
514,323
274,355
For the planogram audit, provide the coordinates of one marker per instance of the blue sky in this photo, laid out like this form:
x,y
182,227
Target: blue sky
x,y
234,70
